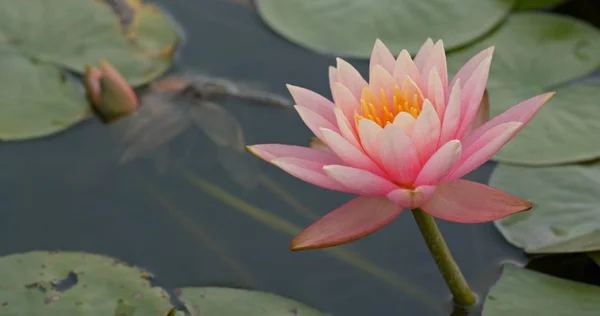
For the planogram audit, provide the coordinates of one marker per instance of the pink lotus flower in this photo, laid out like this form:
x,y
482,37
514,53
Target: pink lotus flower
x,y
402,140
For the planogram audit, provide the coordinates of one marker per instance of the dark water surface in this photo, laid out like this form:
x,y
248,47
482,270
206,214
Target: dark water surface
x,y
68,192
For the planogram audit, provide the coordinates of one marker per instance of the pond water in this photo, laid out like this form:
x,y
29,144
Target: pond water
x,y
69,192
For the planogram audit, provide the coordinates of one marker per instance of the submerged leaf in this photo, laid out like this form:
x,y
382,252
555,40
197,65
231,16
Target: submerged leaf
x,y
218,124
156,123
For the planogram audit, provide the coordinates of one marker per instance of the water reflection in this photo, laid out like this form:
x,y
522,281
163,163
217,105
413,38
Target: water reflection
x,y
197,221
176,103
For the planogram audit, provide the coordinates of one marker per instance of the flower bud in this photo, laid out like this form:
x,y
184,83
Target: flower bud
x,y
109,92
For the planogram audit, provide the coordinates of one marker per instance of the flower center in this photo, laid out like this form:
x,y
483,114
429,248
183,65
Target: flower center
x,y
382,111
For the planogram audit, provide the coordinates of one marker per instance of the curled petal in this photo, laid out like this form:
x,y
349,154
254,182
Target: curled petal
x,y
522,112
451,121
314,121
410,87
426,131
348,76
472,94
423,54
480,151
309,171
382,82
440,164
435,93
345,100
351,155
313,101
359,181
483,113
466,71
351,221
346,129
463,201
399,155
381,56
436,60
406,67
406,198
406,122
333,77
370,134
270,152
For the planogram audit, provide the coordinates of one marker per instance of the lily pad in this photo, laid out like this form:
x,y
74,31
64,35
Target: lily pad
x,y
36,99
141,50
350,27
566,215
563,131
539,4
525,64
522,292
219,301
41,283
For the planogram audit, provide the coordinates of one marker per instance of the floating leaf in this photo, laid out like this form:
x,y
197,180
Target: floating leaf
x,y
218,301
141,51
539,4
563,131
350,27
36,99
525,64
566,215
74,283
522,292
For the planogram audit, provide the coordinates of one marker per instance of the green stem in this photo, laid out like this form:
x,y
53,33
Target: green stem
x,y
443,258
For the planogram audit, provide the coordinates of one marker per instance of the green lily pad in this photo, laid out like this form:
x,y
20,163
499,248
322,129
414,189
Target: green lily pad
x,y
219,301
566,215
141,50
349,27
522,292
526,64
36,99
30,284
563,131
539,4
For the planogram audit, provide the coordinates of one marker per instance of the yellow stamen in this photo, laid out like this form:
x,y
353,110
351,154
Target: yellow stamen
x,y
381,111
